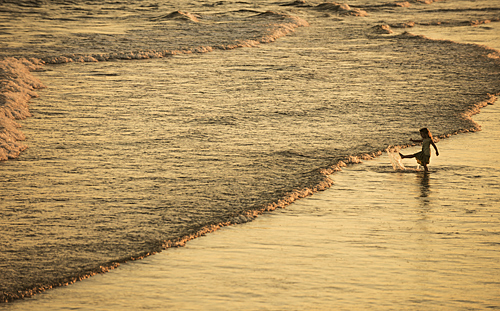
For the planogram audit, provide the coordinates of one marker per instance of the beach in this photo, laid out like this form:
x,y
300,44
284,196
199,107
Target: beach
x,y
378,239
253,134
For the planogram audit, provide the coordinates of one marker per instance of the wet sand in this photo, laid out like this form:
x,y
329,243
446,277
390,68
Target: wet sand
x,y
378,239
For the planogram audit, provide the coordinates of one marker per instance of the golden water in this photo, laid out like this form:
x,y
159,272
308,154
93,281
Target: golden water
x,y
379,239
127,154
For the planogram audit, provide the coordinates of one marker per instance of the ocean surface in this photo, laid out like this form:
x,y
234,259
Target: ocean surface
x,y
159,122
378,239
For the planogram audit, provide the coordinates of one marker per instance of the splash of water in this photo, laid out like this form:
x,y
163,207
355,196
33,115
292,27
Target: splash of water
x,y
395,158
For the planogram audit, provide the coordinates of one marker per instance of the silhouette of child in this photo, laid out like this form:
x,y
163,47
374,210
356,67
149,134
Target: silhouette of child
x,y
423,156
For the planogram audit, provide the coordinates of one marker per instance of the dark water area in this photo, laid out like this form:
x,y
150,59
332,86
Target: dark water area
x,y
148,142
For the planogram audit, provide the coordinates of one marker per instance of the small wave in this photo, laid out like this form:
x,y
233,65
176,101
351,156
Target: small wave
x,y
459,23
382,29
403,25
404,4
387,29
258,28
298,3
178,15
487,9
341,9
345,7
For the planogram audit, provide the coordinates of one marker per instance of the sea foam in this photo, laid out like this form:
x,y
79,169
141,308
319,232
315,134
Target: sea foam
x,y
17,86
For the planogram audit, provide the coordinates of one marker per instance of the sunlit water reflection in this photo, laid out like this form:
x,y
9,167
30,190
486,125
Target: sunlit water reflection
x,y
378,239
124,155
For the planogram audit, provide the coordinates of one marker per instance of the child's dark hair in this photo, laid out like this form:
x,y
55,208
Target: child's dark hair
x,y
426,130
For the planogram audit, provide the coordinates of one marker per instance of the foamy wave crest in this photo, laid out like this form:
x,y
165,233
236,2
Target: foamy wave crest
x,y
17,86
179,15
455,23
232,32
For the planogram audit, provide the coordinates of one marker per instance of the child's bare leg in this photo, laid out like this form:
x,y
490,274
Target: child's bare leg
x,y
406,156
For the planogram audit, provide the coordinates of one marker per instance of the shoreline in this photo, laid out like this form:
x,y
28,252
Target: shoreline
x,y
249,216
273,235
286,201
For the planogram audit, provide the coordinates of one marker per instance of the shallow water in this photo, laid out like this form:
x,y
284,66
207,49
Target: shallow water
x,y
124,155
379,239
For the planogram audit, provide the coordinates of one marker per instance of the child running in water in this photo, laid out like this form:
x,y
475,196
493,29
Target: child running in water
x,y
423,156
